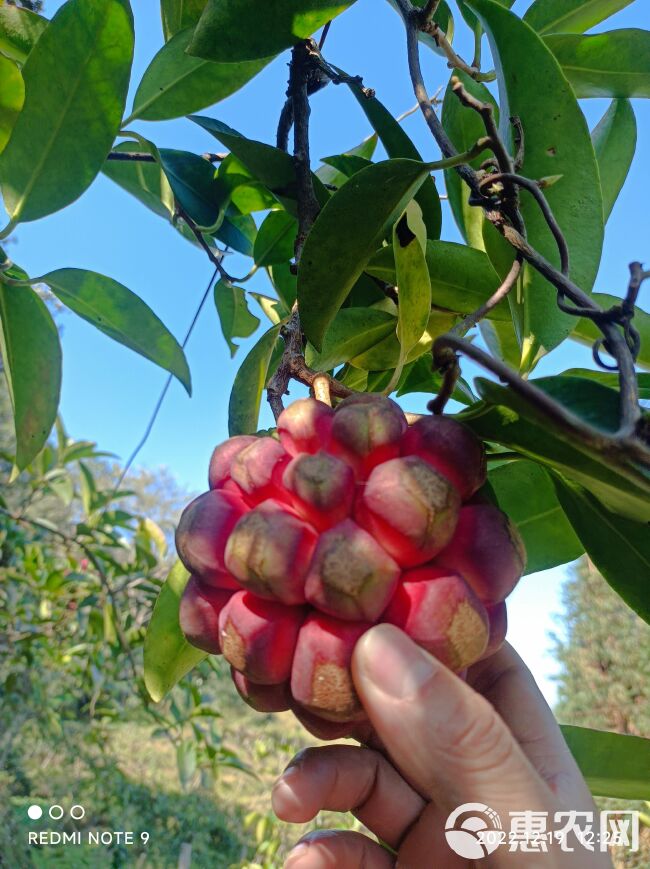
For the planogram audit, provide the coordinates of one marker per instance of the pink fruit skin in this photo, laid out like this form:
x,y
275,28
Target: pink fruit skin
x,y
366,431
451,449
442,614
486,551
262,698
351,576
203,531
258,637
320,677
257,470
198,614
304,427
223,457
498,616
222,581
409,508
323,729
320,488
269,552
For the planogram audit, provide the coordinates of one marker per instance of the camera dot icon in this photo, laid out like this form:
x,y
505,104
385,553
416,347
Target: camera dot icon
x,y
35,812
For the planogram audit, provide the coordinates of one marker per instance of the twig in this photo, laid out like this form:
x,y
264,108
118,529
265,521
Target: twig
x,y
498,296
144,157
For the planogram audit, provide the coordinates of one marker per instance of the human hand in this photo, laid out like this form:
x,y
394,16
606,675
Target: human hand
x,y
492,740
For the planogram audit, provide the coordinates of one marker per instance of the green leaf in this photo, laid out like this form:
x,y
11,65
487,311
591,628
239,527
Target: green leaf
x,y
20,29
612,764
329,175
398,144
194,184
386,353
570,16
178,15
501,340
618,547
177,84
12,96
526,493
614,64
587,332
31,356
610,379
419,377
275,239
347,164
347,232
120,314
246,395
253,30
557,143
509,420
462,278
146,181
284,283
76,79
270,166
236,320
167,654
465,127
414,286
614,140
353,331
238,231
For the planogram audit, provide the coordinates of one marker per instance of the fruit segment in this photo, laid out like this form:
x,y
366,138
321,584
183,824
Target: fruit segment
x,y
320,488
304,427
223,457
203,532
262,698
366,431
257,470
198,614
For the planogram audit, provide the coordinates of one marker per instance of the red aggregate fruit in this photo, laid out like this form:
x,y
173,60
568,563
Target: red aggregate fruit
x,y
223,457
351,519
438,610
269,552
198,614
450,448
410,508
351,576
258,637
203,532
320,677
366,431
487,551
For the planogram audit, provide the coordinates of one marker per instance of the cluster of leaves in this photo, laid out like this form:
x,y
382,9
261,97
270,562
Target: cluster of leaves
x,y
379,227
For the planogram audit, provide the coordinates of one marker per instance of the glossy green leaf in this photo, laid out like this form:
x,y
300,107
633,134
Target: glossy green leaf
x,y
353,331
414,287
233,30
235,318
20,29
146,181
614,64
526,493
613,764
245,192
464,127
507,419
178,15
614,140
177,84
419,377
347,232
285,284
274,309
557,143
386,354
31,356
76,79
194,184
398,144
276,239
570,16
12,96
618,547
328,174
347,164
270,166
501,340
246,395
610,379
462,278
120,314
238,231
167,654
587,332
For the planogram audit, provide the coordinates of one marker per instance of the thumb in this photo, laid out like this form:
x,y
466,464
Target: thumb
x,y
446,739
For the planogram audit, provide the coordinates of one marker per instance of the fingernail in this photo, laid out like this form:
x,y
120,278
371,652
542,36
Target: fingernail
x,y
301,849
394,664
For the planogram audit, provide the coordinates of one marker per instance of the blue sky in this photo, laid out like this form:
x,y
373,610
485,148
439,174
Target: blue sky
x,y
109,392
